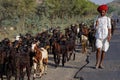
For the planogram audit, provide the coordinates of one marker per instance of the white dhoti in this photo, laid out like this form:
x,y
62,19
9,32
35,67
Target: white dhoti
x,y
102,44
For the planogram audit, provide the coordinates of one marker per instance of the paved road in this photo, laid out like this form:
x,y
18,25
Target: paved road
x,y
111,63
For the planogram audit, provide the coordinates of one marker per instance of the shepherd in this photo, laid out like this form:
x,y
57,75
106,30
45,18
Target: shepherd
x,y
103,35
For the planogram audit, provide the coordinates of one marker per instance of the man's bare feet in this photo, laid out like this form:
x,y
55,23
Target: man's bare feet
x,y
101,66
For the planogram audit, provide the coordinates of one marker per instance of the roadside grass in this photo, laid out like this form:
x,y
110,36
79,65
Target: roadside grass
x,y
45,24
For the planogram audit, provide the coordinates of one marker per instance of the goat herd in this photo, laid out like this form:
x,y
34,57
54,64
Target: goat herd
x,y
29,52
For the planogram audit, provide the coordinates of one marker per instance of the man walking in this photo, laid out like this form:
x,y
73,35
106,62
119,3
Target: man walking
x,y
103,35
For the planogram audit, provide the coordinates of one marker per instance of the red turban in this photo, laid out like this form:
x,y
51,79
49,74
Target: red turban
x,y
102,7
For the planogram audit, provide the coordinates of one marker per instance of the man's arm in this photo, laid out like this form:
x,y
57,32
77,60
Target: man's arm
x,y
109,35
109,29
109,32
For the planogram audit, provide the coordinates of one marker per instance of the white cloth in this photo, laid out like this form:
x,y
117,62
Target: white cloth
x,y
104,23
102,44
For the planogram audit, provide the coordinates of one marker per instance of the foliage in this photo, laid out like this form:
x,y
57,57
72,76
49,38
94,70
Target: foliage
x,y
63,8
119,12
12,8
30,16
111,9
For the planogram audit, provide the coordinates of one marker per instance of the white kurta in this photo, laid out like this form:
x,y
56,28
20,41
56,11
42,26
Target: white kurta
x,y
104,23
